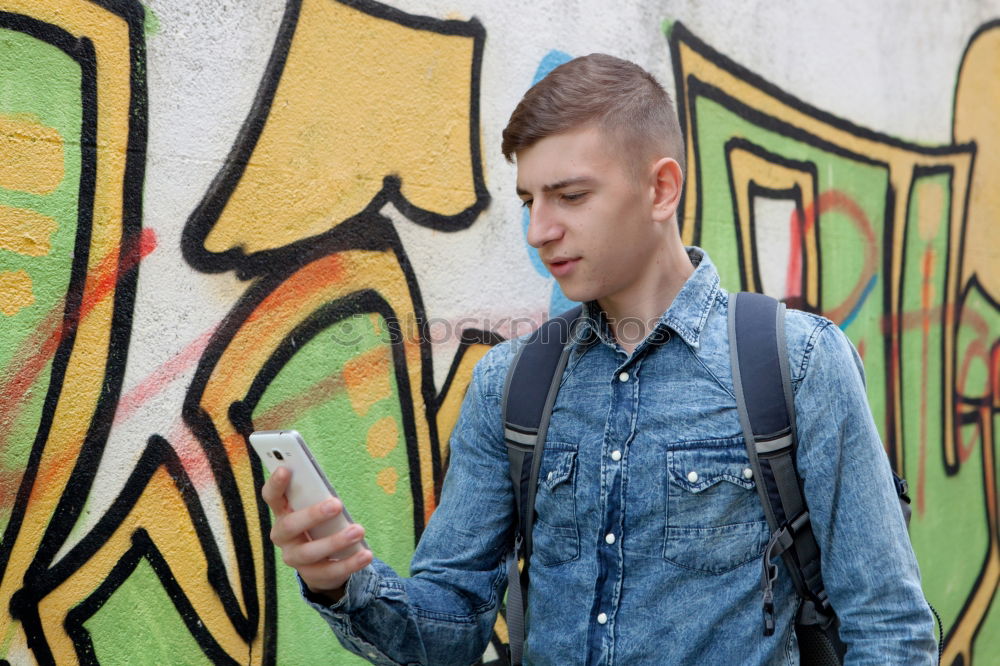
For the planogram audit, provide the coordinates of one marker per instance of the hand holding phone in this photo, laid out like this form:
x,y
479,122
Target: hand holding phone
x,y
308,486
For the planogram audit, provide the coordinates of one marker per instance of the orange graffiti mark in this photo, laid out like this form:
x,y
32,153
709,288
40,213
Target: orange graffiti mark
x,y
330,271
33,154
25,231
39,347
926,303
387,479
367,378
16,292
382,437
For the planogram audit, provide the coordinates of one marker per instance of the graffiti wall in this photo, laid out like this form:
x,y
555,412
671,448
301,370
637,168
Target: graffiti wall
x,y
217,217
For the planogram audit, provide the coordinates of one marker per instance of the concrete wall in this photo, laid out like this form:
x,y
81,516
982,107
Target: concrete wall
x,y
219,216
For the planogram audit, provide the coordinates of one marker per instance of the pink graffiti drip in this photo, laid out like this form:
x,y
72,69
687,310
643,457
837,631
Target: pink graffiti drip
x,y
160,378
191,454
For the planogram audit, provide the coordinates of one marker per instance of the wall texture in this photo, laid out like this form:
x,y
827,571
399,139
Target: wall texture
x,y
222,216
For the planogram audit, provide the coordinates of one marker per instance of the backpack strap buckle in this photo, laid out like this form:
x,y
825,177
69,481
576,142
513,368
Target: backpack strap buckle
x,y
779,542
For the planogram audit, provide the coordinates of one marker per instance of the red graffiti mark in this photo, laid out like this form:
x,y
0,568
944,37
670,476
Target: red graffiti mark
x,y
995,376
967,444
10,479
159,379
837,201
285,412
909,320
938,315
799,227
976,349
39,347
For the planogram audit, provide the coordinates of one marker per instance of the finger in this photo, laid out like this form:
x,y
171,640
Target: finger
x,y
326,548
273,491
330,575
291,526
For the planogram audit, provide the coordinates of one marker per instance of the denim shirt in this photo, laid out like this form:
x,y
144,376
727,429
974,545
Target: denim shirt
x,y
649,532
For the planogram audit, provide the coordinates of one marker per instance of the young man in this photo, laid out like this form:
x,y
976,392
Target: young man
x,y
649,531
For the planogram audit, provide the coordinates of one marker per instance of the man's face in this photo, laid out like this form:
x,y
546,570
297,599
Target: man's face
x,y
591,214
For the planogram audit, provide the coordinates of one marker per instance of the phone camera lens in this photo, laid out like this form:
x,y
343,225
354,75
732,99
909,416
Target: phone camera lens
x,y
277,454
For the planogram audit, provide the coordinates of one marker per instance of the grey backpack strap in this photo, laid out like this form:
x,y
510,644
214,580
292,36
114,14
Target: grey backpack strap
x,y
762,384
530,391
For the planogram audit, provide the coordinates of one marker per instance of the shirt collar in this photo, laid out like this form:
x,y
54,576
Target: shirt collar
x,y
686,315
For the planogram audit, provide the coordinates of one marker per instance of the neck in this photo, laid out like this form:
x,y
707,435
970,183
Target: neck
x,y
632,315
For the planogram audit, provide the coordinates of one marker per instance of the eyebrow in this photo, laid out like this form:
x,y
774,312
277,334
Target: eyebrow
x,y
551,187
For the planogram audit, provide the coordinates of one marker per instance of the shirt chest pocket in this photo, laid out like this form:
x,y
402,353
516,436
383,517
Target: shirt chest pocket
x,y
715,521
556,536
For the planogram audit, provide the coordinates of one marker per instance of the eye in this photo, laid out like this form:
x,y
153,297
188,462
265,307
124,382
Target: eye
x,y
526,203
574,196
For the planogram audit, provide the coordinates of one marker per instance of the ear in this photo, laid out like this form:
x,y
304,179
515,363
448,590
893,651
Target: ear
x,y
668,183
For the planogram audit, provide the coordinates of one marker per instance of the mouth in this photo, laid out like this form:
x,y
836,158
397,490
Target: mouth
x,y
562,267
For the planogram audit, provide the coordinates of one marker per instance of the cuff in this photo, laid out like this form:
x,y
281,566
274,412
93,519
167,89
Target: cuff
x,y
360,590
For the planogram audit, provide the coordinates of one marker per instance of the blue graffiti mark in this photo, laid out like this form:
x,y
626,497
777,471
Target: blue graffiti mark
x,y
558,301
861,301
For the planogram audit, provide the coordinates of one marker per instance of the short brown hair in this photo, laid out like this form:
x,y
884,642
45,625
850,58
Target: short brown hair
x,y
614,94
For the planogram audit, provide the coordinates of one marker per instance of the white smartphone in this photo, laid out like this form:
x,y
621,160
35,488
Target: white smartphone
x,y
309,485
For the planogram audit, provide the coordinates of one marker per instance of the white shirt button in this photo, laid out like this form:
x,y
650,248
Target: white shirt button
x,y
623,377
548,477
616,455
610,538
748,473
602,618
693,476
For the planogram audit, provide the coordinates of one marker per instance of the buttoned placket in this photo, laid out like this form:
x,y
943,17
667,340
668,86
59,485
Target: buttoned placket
x,y
618,434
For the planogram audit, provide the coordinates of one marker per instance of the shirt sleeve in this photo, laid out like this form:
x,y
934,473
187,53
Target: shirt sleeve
x,y
445,611
868,565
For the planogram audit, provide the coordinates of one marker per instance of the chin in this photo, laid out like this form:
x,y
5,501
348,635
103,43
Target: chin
x,y
576,294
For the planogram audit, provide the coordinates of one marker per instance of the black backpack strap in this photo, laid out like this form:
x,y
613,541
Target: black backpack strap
x,y
529,393
762,383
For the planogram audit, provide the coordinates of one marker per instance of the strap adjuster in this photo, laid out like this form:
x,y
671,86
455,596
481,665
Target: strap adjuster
x,y
799,522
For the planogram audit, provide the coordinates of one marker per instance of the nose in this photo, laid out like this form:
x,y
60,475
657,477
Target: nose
x,y
543,227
